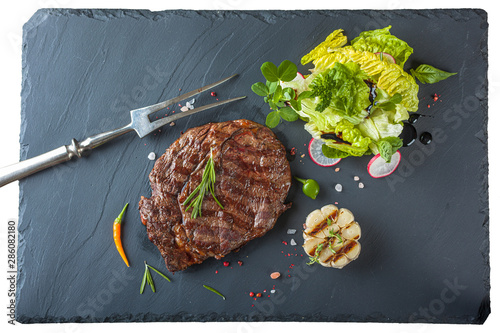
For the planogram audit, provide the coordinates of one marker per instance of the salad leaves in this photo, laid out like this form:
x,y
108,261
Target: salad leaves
x,y
381,40
356,96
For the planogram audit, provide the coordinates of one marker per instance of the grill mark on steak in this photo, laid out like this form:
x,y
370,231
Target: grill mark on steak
x,y
252,182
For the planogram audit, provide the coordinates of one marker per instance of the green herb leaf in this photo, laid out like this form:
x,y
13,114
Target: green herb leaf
x,y
160,273
317,252
329,221
288,114
275,95
332,152
385,150
305,94
215,291
143,283
287,71
207,182
270,71
343,89
388,146
288,94
272,86
272,119
387,106
336,235
429,74
396,98
278,93
260,89
149,278
296,105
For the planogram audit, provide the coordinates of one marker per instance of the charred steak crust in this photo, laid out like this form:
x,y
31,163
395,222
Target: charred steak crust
x,y
252,182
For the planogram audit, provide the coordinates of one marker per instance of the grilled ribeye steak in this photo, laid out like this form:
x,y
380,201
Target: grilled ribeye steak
x,y
252,182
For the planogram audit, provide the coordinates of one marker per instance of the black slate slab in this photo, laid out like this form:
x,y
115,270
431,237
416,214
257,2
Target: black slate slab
x,y
425,255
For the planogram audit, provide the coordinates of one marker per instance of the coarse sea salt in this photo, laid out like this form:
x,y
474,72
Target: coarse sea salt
x,y
152,156
291,231
338,187
361,185
356,178
293,242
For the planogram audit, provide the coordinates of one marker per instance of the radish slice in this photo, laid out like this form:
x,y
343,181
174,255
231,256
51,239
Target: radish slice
x,y
387,57
378,167
317,155
299,77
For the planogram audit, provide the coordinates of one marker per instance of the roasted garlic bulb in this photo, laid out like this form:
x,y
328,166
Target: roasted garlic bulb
x,y
331,236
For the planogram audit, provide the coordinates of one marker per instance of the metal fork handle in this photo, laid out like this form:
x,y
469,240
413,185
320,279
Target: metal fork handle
x,y
64,153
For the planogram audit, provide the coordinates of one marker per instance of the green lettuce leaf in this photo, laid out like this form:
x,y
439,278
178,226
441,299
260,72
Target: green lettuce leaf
x,y
380,124
389,77
351,143
381,40
335,40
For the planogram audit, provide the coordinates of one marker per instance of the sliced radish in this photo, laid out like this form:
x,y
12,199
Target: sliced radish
x,y
299,75
378,167
387,57
317,154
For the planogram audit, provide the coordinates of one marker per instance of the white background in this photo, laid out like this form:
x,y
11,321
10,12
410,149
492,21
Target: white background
x,y
15,14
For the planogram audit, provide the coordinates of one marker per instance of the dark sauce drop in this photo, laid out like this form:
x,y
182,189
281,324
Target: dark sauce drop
x,y
414,118
408,135
425,138
372,95
333,136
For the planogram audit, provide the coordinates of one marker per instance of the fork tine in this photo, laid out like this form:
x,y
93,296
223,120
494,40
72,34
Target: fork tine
x,y
156,107
163,121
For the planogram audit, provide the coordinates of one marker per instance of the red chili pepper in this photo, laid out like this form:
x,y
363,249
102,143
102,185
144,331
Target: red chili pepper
x,y
251,294
213,94
240,262
259,295
226,263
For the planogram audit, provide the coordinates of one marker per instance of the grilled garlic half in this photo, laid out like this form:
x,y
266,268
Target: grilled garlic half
x,y
331,236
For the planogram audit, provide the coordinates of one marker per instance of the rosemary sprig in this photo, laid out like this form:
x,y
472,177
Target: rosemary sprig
x,y
207,182
149,278
160,273
215,291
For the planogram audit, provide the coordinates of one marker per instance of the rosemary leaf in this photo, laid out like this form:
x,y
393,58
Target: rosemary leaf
x,y
215,291
150,279
143,284
161,274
